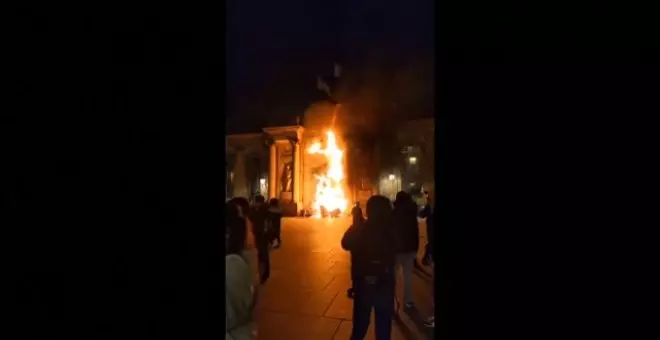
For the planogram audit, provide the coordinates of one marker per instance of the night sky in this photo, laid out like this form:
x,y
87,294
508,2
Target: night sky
x,y
275,53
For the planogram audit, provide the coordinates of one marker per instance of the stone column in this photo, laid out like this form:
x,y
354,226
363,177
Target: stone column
x,y
272,171
240,182
296,171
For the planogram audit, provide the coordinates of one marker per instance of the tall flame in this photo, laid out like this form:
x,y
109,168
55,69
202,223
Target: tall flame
x,y
329,186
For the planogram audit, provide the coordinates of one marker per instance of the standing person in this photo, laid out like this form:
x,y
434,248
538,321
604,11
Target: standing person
x,y
405,219
429,260
258,215
243,207
356,212
275,216
358,219
373,251
241,295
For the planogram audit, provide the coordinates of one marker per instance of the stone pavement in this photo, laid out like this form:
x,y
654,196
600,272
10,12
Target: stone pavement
x,y
305,297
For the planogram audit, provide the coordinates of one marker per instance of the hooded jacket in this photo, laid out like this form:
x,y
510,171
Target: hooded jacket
x,y
407,227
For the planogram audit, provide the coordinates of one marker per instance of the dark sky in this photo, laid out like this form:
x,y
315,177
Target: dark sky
x,y
275,49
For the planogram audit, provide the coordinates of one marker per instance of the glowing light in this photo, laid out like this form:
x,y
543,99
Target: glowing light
x,y
262,181
329,187
392,177
412,160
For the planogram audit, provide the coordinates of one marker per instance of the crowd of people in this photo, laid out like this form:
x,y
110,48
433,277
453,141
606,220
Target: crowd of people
x,y
380,242
248,228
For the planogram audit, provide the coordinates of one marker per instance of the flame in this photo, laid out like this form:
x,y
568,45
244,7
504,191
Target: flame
x,y
329,186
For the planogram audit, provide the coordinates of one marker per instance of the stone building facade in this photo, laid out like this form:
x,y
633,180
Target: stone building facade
x,y
417,141
275,164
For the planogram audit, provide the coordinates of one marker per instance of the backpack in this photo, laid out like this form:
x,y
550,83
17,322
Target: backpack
x,y
376,255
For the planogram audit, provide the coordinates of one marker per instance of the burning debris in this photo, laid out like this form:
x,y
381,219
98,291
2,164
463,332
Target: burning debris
x,y
329,197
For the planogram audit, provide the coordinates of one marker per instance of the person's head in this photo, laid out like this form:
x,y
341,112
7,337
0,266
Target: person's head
x,y
235,228
357,204
402,198
259,200
273,202
379,210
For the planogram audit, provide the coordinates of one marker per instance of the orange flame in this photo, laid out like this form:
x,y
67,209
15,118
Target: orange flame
x,y
329,191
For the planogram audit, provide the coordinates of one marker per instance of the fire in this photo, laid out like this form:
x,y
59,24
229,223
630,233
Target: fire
x,y
329,187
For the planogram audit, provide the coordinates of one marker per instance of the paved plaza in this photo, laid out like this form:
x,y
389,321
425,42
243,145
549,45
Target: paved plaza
x,y
305,297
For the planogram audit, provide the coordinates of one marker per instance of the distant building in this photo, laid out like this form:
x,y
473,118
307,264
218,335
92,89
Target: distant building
x,y
274,162
415,169
247,165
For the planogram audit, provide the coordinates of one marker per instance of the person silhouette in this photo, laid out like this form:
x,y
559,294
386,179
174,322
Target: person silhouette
x,y
373,246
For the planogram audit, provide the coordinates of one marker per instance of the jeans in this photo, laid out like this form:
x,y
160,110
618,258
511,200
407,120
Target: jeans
x,y
380,298
407,263
264,263
277,230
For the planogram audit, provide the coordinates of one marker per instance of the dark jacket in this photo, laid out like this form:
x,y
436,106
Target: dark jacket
x,y
258,216
427,213
405,217
275,218
373,249
275,214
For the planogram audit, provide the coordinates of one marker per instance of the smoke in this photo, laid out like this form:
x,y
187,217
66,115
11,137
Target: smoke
x,y
384,91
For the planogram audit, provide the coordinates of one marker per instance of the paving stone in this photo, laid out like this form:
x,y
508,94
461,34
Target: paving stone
x,y
284,326
344,331
307,302
340,308
345,328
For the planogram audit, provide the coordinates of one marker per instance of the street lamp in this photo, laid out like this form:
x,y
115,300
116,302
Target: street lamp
x,y
392,178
